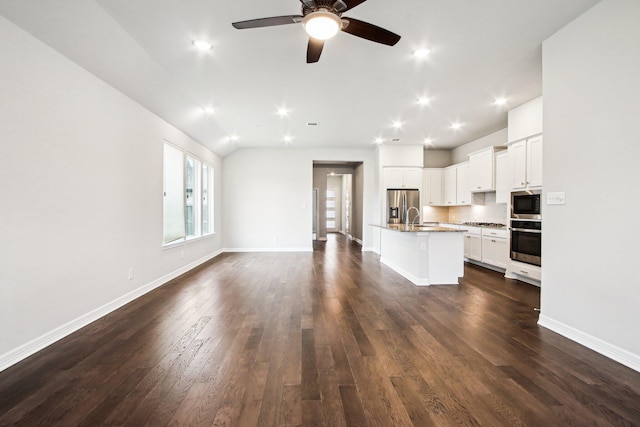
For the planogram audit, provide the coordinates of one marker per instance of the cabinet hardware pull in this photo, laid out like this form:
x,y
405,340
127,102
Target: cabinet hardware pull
x,y
524,272
493,240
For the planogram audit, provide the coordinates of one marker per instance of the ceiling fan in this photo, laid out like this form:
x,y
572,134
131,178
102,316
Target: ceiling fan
x,y
322,19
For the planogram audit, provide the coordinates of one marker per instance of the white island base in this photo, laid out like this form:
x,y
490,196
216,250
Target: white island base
x,y
425,257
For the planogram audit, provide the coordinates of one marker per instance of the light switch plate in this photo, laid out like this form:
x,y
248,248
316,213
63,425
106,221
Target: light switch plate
x,y
556,198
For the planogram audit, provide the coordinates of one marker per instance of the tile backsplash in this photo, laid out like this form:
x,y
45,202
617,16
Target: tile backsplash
x,y
489,212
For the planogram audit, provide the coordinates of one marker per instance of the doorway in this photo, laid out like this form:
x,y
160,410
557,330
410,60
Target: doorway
x,y
339,205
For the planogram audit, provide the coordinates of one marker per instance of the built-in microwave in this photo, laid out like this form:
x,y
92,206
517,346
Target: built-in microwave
x,y
526,204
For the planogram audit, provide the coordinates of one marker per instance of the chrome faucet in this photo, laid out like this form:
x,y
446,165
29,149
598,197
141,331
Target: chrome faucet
x,y
416,217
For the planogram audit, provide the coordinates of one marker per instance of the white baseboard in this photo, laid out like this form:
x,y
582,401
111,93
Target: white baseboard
x,y
305,249
371,249
401,271
609,350
14,356
358,241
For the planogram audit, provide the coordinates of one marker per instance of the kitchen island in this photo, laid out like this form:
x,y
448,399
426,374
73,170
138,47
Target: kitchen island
x,y
425,255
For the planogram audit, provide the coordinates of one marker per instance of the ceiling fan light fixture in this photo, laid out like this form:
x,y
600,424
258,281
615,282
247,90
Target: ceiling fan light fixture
x,y
322,24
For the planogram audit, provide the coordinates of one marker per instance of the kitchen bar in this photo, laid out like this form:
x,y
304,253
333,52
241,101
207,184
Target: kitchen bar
x,y
425,255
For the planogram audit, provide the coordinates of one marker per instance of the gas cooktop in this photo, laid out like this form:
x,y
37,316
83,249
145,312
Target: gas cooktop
x,y
485,224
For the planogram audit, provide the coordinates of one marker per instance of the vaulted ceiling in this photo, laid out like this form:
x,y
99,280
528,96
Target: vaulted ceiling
x,y
480,50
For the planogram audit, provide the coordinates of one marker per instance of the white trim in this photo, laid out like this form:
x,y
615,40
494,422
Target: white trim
x,y
607,349
414,279
14,356
355,239
305,249
371,249
322,239
487,266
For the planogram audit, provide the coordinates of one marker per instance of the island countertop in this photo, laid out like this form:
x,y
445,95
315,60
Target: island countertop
x,y
418,228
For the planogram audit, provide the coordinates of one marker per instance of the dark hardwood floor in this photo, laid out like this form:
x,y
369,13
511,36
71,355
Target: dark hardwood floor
x,y
329,338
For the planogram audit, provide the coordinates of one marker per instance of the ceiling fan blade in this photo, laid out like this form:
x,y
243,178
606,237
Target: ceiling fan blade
x,y
314,50
352,3
370,32
268,22
309,3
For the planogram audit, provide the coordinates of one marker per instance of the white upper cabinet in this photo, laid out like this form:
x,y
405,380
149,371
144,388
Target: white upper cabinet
x,y
450,186
482,170
525,121
534,161
432,187
402,178
456,185
463,193
503,180
526,163
481,167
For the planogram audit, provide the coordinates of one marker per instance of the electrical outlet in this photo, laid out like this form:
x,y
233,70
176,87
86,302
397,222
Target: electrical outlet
x,y
130,273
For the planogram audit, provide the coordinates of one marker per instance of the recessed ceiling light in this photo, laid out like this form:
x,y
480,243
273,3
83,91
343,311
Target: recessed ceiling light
x,y
209,110
378,140
287,138
423,100
428,141
233,138
500,101
421,53
282,112
202,45
396,124
456,125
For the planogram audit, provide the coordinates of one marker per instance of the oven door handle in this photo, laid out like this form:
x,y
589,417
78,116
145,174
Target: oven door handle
x,y
526,230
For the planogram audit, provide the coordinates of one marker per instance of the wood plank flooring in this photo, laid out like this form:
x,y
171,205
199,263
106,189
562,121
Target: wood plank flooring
x,y
330,338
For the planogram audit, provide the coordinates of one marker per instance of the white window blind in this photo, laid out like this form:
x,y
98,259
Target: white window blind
x,y
173,204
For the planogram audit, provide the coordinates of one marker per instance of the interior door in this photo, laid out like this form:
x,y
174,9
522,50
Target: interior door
x,y
333,209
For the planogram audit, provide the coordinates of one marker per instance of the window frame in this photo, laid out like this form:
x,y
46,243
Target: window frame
x,y
197,199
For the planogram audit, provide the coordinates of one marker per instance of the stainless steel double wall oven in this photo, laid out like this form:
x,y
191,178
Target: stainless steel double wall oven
x,y
526,227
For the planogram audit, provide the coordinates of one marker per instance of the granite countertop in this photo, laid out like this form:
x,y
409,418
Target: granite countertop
x,y
419,228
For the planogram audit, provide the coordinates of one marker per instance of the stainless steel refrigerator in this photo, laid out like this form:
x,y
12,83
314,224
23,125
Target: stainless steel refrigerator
x,y
398,202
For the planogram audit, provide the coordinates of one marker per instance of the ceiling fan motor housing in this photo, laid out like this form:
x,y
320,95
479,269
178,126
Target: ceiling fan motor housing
x,y
332,6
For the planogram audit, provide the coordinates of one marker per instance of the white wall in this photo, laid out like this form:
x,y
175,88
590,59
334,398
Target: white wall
x,y
267,196
401,155
80,197
437,158
591,290
461,154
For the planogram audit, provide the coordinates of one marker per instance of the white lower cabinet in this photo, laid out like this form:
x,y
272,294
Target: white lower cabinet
x,y
495,247
520,270
495,251
473,243
486,245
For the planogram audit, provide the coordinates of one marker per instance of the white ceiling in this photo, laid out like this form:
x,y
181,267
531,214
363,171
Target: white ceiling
x,y
481,49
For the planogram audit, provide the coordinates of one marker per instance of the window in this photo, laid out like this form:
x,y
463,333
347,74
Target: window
x,y
188,196
173,201
207,199
193,197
